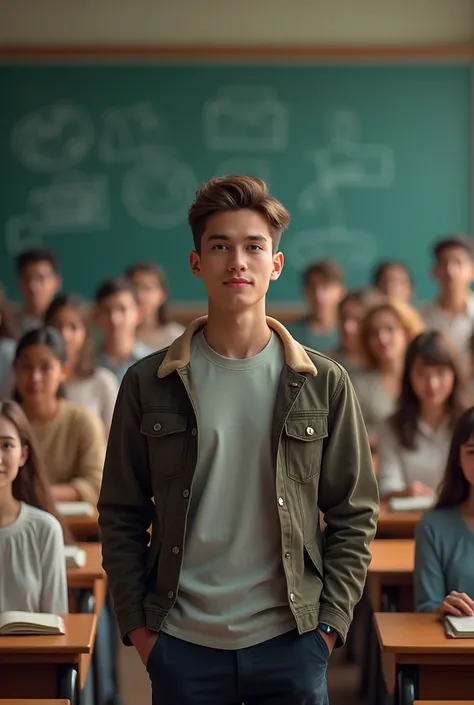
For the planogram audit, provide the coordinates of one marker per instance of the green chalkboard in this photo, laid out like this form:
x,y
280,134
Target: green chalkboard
x,y
100,162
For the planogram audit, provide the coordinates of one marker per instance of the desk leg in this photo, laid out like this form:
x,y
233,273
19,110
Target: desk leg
x,y
407,685
67,684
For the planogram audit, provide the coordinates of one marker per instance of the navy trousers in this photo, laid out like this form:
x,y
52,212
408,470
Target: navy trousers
x,y
287,670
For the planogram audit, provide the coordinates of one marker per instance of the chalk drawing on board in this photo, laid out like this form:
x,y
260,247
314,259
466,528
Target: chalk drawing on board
x,y
72,202
21,233
53,138
346,162
131,132
157,193
352,248
251,166
243,118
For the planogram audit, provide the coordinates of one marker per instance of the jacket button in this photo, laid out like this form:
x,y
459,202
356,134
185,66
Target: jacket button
x,y
292,597
157,427
185,493
194,432
310,431
287,554
294,384
175,550
281,501
171,594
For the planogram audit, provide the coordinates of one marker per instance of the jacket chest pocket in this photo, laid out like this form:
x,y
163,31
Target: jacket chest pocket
x,y
304,438
166,440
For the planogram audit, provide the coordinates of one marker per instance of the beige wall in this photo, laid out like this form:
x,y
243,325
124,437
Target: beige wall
x,y
254,21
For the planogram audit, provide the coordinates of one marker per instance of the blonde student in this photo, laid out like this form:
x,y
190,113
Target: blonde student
x,y
444,538
414,442
87,383
33,568
156,330
70,438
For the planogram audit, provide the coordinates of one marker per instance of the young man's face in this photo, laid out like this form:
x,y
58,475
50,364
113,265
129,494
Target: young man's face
x,y
454,269
118,315
38,285
236,261
323,295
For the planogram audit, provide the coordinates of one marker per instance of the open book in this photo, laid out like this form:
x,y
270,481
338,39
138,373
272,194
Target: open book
x,y
459,627
15,622
410,504
75,557
75,509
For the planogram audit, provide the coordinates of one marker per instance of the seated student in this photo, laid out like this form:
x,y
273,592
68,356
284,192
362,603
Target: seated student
x,y
155,329
323,288
118,315
453,311
33,567
71,439
7,343
393,279
414,443
386,330
39,281
350,313
444,538
87,384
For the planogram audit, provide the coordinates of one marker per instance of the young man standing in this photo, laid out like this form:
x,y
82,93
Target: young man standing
x,y
228,444
323,288
39,280
453,311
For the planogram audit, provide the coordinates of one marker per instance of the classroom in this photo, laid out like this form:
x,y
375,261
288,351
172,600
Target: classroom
x,y
194,195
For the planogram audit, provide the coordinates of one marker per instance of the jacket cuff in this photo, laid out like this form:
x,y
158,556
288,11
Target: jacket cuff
x,y
129,621
336,620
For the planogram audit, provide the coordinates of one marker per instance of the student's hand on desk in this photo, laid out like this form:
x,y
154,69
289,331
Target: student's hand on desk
x,y
418,489
143,640
64,493
457,604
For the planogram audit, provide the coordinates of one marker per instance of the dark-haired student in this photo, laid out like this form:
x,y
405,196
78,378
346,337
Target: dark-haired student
x,y
393,279
155,328
414,443
453,311
71,439
323,289
348,351
39,280
33,568
87,383
236,431
8,336
444,538
118,316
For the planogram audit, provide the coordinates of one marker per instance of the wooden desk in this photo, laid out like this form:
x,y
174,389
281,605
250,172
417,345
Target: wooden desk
x,y
392,565
48,666
396,524
84,528
421,661
86,581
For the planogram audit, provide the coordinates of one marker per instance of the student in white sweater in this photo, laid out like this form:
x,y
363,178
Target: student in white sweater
x,y
414,442
87,384
33,567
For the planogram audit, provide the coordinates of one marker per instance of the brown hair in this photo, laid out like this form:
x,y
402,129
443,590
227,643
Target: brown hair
x,y
116,285
455,488
152,268
456,240
232,193
85,364
30,485
408,318
356,296
7,323
433,348
326,268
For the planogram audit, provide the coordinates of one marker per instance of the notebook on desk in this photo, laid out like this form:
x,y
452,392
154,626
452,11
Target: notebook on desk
x,y
459,627
410,504
75,556
14,623
75,509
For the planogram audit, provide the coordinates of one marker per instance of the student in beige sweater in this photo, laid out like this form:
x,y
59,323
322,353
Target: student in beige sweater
x,y
71,439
